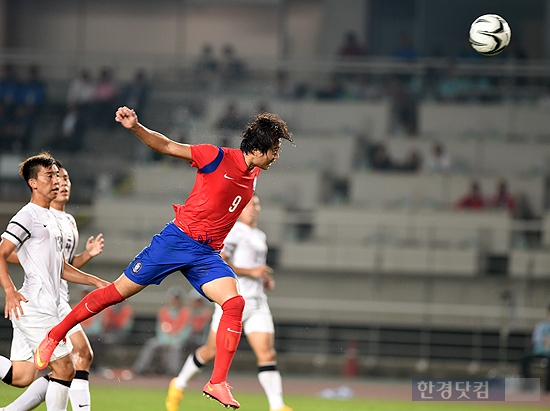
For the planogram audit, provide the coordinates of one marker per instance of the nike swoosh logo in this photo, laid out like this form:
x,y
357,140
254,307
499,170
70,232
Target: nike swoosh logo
x,y
83,405
38,360
210,388
233,331
229,178
86,305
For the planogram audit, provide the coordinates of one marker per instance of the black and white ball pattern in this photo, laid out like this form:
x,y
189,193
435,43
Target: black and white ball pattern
x,y
490,34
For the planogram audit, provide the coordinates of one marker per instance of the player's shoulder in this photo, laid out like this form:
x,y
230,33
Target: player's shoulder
x,y
29,210
63,215
70,217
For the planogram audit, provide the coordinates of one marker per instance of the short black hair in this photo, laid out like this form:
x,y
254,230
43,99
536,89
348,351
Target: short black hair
x,y
264,132
31,166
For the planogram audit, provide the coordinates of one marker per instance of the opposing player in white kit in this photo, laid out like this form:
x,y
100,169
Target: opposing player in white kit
x,y
81,352
245,250
36,234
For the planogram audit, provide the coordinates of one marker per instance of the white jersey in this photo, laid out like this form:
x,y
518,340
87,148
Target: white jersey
x,y
246,247
38,238
70,243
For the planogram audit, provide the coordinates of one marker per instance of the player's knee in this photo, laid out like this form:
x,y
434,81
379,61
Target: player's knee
x,y
271,355
21,375
208,353
63,369
266,356
234,306
82,357
22,380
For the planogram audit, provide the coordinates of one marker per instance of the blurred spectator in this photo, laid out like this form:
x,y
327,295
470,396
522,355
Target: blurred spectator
x,y
438,160
381,160
364,152
405,49
134,93
232,67
17,131
472,200
502,199
351,48
176,326
116,324
412,163
29,99
5,140
229,124
9,89
106,94
33,91
201,314
81,90
540,349
71,132
207,67
453,87
403,107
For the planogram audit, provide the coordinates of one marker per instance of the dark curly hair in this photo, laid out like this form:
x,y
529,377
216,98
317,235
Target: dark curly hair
x,y
264,132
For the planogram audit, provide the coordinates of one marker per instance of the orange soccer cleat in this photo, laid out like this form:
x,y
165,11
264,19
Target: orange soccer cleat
x,y
174,397
221,392
44,352
285,408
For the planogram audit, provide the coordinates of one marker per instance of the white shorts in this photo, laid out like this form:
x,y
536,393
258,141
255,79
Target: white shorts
x,y
63,309
256,317
29,331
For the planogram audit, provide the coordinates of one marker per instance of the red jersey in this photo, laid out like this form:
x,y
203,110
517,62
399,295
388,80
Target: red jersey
x,y
223,187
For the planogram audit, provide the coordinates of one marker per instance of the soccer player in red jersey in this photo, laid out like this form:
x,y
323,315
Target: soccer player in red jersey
x,y
191,243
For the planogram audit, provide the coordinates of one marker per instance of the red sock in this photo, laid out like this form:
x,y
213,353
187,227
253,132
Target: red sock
x,y
90,305
228,337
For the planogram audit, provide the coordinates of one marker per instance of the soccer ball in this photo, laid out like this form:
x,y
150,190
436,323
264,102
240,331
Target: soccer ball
x,y
490,34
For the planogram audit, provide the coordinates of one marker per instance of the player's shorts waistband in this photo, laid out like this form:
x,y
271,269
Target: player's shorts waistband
x,y
172,225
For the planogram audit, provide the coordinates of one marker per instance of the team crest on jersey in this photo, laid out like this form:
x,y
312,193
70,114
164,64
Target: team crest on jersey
x,y
136,267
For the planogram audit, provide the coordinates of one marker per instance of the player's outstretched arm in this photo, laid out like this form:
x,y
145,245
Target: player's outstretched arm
x,y
94,247
153,139
13,297
74,275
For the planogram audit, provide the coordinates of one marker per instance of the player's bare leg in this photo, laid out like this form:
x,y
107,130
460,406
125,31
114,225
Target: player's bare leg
x,y
82,357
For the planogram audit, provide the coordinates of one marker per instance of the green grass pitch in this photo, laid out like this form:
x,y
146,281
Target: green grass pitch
x,y
105,398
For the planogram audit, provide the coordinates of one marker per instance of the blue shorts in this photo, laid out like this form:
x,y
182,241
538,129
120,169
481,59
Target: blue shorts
x,y
173,250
